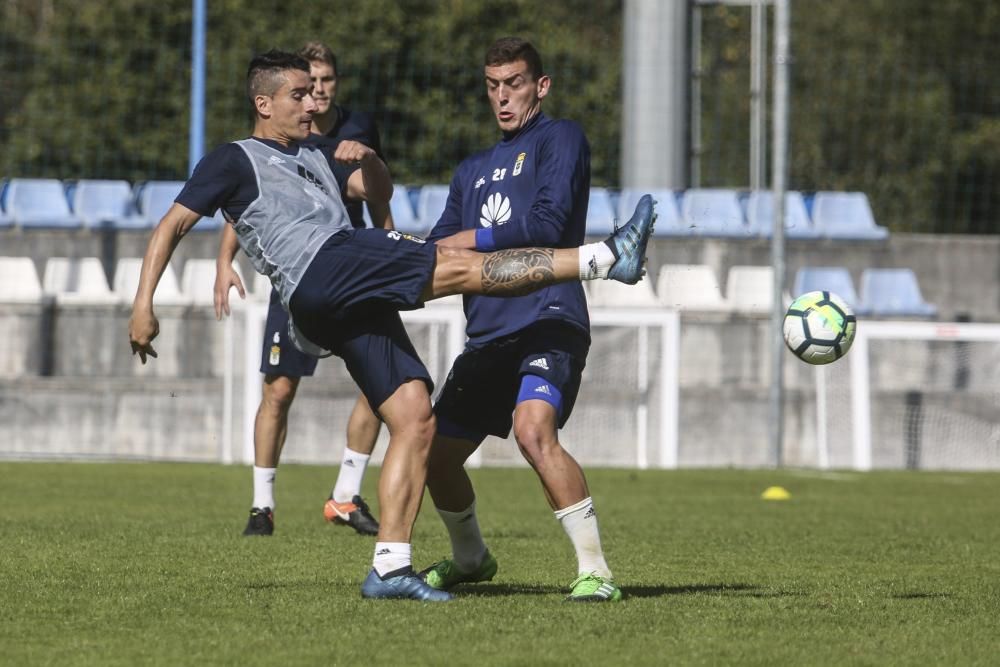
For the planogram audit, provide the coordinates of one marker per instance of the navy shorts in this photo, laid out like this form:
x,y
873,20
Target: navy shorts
x,y
348,301
279,355
481,392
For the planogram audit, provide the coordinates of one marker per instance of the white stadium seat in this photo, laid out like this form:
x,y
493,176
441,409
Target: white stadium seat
x,y
690,287
126,281
78,280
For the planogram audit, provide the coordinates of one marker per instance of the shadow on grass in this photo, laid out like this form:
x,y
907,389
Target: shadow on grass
x,y
725,590
494,590
919,595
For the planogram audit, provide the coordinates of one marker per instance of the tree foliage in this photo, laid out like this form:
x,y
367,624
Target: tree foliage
x,y
896,99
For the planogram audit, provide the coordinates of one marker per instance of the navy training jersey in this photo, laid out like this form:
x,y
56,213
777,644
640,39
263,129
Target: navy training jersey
x,y
532,189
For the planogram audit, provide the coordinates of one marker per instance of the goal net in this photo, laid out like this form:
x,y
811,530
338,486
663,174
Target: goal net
x,y
912,395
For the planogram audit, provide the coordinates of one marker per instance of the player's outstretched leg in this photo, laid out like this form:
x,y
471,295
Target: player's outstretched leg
x,y
629,243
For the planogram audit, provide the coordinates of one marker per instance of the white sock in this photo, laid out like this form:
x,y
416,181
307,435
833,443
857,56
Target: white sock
x,y
352,471
580,523
263,487
595,260
467,546
391,556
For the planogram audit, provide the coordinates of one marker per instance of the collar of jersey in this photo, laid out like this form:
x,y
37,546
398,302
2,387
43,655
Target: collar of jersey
x,y
290,149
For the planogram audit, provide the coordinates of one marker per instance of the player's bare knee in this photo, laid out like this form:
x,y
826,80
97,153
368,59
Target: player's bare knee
x,y
536,441
278,393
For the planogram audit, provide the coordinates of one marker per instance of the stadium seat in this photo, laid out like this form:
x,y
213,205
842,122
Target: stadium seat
x,y
600,213
430,205
403,217
611,293
750,289
39,202
19,281
760,215
834,279
106,203
198,282
156,198
261,286
846,215
893,292
126,281
668,218
713,212
77,280
690,287
5,220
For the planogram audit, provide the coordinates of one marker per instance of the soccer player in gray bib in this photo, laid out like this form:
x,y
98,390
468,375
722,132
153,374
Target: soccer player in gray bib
x,y
344,287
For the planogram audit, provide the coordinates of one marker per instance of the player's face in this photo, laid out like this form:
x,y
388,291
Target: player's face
x,y
515,95
324,82
292,107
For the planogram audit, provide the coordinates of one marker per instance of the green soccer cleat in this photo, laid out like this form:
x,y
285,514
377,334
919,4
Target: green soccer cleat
x,y
443,575
589,587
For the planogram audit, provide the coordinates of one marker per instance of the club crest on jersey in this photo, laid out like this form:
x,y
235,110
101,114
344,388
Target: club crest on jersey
x,y
495,211
519,164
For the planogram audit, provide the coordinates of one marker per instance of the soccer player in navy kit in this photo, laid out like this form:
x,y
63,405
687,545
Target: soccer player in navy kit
x,y
344,287
282,364
524,355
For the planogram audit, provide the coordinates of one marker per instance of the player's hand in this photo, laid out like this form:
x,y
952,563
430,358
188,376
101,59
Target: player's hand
x,y
143,327
226,278
352,152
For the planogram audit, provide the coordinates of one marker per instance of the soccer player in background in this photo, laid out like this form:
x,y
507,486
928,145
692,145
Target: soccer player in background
x,y
282,364
524,357
344,287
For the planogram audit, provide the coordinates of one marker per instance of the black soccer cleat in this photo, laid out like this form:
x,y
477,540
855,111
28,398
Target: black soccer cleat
x,y
354,514
261,522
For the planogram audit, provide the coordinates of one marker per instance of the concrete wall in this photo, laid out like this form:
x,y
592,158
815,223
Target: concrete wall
x,y
69,386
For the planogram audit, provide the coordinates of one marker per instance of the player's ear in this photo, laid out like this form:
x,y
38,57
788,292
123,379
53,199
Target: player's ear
x,y
542,85
262,103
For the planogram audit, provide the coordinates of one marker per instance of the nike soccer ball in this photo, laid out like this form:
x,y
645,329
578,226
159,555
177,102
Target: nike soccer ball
x,y
819,327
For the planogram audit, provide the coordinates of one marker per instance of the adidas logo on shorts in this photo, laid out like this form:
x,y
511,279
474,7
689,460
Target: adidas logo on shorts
x,y
543,389
540,363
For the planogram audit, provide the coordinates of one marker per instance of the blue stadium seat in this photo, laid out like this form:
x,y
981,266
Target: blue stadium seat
x,y
39,202
106,204
836,279
713,212
600,212
403,217
847,216
893,292
431,202
5,220
760,215
156,198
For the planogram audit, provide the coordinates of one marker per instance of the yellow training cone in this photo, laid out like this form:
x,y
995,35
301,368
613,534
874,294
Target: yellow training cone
x,y
775,493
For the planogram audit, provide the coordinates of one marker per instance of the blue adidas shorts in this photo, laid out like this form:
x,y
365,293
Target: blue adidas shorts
x,y
348,301
485,382
279,355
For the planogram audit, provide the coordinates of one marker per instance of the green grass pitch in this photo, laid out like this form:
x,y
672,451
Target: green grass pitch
x,y
130,564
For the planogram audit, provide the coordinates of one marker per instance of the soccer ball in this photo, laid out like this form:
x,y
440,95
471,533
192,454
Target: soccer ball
x,y
819,327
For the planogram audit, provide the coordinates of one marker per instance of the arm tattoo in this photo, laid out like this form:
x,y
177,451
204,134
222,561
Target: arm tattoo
x,y
518,271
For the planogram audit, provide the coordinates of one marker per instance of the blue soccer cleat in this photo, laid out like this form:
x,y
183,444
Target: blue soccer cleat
x,y
405,586
629,243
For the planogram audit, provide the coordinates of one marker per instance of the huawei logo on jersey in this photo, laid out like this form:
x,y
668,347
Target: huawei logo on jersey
x,y
495,211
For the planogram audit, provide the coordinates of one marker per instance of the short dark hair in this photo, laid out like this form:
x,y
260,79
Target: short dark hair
x,y
511,49
264,76
313,51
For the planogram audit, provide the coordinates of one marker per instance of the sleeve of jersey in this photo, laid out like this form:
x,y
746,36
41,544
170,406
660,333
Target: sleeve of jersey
x,y
341,171
563,177
450,221
215,178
